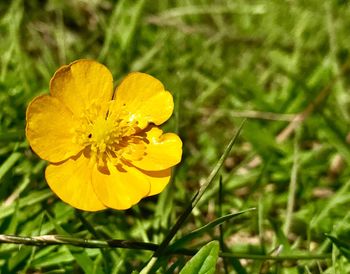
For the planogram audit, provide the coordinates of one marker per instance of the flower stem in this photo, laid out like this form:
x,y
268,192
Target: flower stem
x,y
45,240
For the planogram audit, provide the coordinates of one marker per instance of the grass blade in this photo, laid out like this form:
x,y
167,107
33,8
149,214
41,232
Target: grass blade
x,y
198,232
204,261
10,161
193,202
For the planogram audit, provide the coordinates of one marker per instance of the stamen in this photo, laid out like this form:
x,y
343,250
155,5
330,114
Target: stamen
x,y
109,137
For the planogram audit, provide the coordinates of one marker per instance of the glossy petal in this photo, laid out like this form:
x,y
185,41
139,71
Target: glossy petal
x,y
158,180
50,129
144,98
82,84
162,151
71,181
121,187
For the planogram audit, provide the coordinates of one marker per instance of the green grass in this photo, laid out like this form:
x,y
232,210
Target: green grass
x,y
222,61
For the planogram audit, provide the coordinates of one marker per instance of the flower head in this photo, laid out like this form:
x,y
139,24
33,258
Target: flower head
x,y
104,148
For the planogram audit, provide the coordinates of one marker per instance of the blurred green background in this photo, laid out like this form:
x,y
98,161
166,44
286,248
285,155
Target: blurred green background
x,y
222,61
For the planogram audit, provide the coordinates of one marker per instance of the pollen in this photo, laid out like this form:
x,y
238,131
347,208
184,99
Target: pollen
x,y
106,136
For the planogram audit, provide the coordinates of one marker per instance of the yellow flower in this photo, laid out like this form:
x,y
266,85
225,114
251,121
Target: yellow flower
x,y
104,149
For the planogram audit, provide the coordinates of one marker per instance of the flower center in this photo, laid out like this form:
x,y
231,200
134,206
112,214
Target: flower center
x,y
106,137
103,134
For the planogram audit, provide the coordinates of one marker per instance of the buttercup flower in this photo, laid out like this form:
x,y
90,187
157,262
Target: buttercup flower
x,y
104,149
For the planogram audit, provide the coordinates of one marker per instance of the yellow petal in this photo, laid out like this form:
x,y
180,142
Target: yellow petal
x,y
82,84
71,181
50,129
121,187
158,180
162,151
145,99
